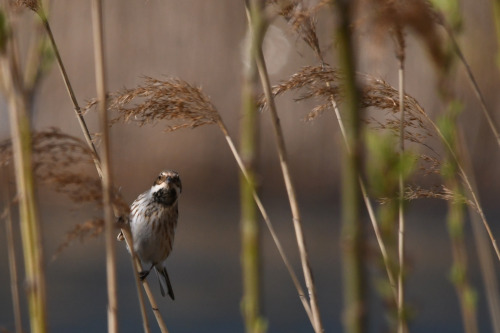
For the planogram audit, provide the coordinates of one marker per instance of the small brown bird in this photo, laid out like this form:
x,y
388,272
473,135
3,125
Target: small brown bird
x,y
153,219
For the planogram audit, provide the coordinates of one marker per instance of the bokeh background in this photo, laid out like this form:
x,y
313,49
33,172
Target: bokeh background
x,y
202,42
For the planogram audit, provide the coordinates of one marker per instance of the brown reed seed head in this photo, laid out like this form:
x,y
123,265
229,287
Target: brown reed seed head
x,y
392,18
312,81
437,192
88,229
324,85
173,100
34,5
58,160
301,19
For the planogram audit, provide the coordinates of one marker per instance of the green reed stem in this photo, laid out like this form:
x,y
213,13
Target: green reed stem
x,y
352,238
250,241
11,251
28,210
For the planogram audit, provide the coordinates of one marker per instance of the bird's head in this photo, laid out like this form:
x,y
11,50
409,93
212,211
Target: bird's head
x,y
167,187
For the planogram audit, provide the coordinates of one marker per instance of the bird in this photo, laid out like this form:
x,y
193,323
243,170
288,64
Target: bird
x,y
153,220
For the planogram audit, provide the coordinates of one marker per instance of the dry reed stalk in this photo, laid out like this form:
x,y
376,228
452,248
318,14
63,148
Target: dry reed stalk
x,y
470,75
37,7
107,181
188,107
257,23
400,55
11,252
292,198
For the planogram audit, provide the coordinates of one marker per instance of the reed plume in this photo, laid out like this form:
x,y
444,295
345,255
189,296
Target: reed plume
x,y
58,162
173,100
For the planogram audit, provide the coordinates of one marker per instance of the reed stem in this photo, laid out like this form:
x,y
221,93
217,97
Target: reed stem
x,y
11,252
107,181
250,233
256,18
28,210
401,224
354,317
71,93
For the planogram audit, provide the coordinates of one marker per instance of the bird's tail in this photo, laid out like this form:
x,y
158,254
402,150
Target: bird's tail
x,y
163,272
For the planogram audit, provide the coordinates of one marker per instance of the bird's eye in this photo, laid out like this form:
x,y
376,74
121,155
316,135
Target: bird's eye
x,y
169,178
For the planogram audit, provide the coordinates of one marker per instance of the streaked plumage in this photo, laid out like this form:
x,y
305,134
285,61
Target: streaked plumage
x,y
153,219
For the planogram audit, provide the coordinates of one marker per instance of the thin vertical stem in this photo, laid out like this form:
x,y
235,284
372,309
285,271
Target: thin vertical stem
x,y
470,75
71,93
401,224
106,168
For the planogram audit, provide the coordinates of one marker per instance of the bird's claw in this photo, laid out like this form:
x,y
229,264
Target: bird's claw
x,y
143,275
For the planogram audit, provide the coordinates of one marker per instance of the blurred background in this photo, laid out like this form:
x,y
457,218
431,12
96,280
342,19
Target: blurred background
x,y
202,43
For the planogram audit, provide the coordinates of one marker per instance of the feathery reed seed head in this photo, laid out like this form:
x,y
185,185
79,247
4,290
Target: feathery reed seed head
x,y
301,20
324,83
387,17
91,228
173,100
34,5
58,160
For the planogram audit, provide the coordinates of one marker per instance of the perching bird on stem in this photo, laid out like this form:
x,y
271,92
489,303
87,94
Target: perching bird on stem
x,y
153,219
